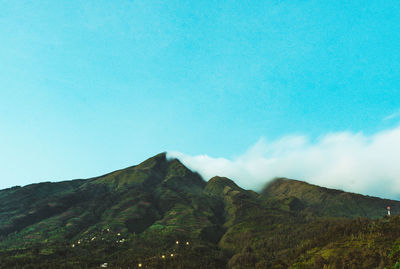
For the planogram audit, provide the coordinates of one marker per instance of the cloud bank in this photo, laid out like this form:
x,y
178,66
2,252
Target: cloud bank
x,y
367,164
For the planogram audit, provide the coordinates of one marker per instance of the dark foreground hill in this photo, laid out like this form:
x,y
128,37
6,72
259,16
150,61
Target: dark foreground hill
x,y
159,214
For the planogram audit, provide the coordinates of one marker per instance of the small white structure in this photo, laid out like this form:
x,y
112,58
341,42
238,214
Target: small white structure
x,y
104,265
388,209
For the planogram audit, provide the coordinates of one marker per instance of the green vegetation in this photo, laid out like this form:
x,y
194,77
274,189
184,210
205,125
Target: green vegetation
x,y
159,214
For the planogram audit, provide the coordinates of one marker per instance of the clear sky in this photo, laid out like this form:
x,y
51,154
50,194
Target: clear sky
x,y
87,87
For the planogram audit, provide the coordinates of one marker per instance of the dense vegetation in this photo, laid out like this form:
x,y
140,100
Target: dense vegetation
x,y
160,214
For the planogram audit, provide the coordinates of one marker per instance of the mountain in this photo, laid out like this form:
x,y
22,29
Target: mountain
x,y
128,200
160,214
328,202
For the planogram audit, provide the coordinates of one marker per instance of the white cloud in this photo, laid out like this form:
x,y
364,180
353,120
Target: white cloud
x,y
367,164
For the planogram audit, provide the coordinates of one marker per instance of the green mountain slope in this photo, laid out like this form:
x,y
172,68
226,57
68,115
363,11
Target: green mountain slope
x,y
160,214
328,202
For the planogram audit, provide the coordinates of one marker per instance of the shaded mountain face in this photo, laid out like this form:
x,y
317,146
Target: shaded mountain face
x,y
142,213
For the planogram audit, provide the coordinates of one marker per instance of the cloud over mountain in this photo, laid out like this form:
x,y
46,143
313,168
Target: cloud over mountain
x,y
355,162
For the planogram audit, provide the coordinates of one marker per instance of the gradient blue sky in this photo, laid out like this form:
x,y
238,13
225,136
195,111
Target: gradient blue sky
x,y
87,87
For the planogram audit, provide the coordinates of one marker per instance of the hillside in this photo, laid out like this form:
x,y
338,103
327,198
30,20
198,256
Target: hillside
x,y
160,214
328,202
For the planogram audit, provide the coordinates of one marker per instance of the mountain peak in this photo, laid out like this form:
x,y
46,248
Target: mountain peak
x,y
218,185
153,172
148,173
152,162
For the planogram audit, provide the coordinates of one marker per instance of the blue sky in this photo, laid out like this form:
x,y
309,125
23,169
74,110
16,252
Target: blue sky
x,y
87,87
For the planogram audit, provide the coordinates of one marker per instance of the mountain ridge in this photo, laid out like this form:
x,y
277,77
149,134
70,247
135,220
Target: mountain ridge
x,y
134,214
327,201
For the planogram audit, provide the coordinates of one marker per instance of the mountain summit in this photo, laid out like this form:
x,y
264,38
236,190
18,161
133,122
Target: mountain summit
x,y
160,214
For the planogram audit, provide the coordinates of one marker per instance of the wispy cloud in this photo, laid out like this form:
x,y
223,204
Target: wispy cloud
x,y
392,116
367,164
